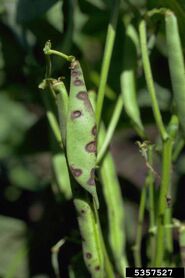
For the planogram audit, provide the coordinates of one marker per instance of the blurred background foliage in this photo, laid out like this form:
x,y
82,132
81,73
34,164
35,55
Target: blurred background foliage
x,y
33,217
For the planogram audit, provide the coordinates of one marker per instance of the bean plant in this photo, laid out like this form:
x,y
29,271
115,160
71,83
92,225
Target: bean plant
x,y
83,155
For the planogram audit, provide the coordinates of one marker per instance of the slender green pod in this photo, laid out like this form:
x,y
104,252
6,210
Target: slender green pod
x,y
62,105
61,174
81,133
176,65
149,80
115,208
114,201
91,241
50,109
128,80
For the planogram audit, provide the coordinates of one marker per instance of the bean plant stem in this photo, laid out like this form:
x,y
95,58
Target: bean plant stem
x,y
60,54
151,188
111,128
137,247
149,79
151,204
111,32
168,231
166,174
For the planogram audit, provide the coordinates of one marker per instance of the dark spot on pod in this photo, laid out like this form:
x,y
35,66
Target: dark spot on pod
x,y
91,181
88,255
97,268
76,172
82,95
91,147
78,82
75,73
76,114
82,211
94,131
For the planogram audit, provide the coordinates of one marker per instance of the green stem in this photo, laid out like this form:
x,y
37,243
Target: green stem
x,y
166,174
60,54
137,246
168,232
111,128
54,256
151,188
111,32
48,51
151,206
149,79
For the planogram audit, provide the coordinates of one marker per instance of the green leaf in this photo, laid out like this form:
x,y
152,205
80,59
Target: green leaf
x,y
13,246
14,121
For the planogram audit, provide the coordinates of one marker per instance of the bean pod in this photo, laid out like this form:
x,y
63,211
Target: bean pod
x,y
81,133
114,201
128,79
91,242
176,65
62,105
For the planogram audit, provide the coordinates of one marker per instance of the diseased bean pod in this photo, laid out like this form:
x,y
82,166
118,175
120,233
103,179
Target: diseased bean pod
x,y
176,65
81,133
91,242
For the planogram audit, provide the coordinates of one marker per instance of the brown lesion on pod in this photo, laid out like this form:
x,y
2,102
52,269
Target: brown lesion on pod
x,y
91,147
78,82
76,114
88,255
97,268
94,130
91,180
75,73
82,95
76,172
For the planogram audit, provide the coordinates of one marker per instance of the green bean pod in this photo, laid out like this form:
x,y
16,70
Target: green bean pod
x,y
115,208
91,241
81,133
62,105
61,174
176,65
114,201
128,80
